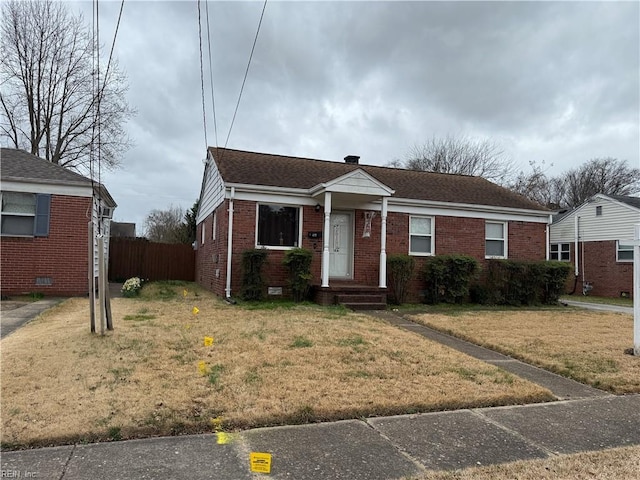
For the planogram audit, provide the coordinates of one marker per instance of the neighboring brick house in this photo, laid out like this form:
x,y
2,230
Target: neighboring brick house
x,y
604,264
44,241
351,217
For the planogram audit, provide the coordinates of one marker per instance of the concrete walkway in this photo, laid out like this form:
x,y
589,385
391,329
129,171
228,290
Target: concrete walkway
x,y
13,319
373,449
603,307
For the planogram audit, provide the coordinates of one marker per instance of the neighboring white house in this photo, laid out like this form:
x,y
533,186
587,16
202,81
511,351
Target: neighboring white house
x,y
596,230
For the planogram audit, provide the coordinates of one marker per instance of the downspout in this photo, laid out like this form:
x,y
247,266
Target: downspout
x,y
227,290
548,253
576,231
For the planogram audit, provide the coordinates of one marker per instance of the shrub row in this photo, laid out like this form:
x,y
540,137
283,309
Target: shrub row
x,y
509,282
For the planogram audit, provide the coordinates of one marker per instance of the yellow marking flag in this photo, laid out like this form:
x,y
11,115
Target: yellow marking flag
x,y
184,293
208,341
260,462
195,310
202,367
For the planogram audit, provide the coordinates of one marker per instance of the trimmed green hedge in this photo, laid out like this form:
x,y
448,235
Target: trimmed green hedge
x,y
448,277
512,282
252,281
400,269
298,262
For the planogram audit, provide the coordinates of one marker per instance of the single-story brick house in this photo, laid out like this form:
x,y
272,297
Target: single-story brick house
x,y
44,241
351,216
596,231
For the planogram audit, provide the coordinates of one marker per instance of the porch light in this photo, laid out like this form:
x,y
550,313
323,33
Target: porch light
x,y
317,207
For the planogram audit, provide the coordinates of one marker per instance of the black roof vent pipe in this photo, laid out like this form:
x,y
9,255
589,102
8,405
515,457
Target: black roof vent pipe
x,y
352,159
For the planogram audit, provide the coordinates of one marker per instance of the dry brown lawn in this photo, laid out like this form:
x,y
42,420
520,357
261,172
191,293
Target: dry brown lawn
x,y
587,346
614,464
60,383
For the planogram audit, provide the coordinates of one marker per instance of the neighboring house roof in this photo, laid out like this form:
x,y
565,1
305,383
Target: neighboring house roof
x,y
20,166
251,168
632,201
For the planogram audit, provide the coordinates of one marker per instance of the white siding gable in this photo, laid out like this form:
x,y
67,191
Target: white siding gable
x,y
212,190
616,221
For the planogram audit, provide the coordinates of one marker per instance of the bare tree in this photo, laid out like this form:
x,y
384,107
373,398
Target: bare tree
x,y
460,155
539,187
572,188
166,226
50,90
600,175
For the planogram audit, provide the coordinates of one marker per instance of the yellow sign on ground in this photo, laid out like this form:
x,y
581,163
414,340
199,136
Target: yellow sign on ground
x,y
208,341
260,462
195,310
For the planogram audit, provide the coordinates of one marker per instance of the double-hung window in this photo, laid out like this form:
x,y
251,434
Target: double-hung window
x,y
420,235
495,240
25,214
560,252
624,253
278,226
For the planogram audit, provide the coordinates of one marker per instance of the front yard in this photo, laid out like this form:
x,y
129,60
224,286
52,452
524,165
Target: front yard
x,y
156,374
587,346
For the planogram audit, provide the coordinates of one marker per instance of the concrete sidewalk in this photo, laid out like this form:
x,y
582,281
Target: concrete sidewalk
x,y
11,320
374,449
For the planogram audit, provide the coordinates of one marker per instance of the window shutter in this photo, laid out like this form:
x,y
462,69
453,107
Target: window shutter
x,y
43,209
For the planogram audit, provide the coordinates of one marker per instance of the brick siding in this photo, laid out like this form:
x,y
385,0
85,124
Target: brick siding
x,y
62,255
599,266
453,235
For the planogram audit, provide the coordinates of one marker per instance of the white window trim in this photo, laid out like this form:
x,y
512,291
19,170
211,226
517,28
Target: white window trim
x,y
561,251
213,228
203,231
432,235
505,232
300,223
624,260
14,214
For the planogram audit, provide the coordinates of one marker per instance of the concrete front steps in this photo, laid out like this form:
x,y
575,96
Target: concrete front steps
x,y
352,296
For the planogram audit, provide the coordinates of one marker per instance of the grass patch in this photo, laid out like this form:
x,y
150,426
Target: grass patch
x,y
587,346
301,342
141,315
304,364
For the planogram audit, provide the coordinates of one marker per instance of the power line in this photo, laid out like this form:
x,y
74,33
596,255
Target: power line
x,y
213,101
245,74
204,113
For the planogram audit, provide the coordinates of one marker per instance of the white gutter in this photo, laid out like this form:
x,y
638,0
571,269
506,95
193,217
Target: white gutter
x,y
227,290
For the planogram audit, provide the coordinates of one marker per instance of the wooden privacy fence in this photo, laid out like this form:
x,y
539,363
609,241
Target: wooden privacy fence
x,y
138,257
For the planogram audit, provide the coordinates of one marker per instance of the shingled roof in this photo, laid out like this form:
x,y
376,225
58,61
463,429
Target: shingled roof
x,y
253,168
23,166
633,201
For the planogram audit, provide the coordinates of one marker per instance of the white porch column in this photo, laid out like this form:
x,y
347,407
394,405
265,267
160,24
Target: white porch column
x,y
383,244
325,238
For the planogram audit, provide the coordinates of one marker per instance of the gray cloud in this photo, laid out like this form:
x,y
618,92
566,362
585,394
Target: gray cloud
x,y
553,81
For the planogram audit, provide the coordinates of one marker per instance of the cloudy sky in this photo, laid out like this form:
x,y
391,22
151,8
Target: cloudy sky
x,y
549,81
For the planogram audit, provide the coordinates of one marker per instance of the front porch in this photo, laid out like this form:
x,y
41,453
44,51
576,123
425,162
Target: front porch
x,y
351,295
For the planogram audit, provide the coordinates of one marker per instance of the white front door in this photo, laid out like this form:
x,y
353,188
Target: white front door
x,y
341,246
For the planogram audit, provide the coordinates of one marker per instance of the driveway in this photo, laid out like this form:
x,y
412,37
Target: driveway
x,y
599,306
